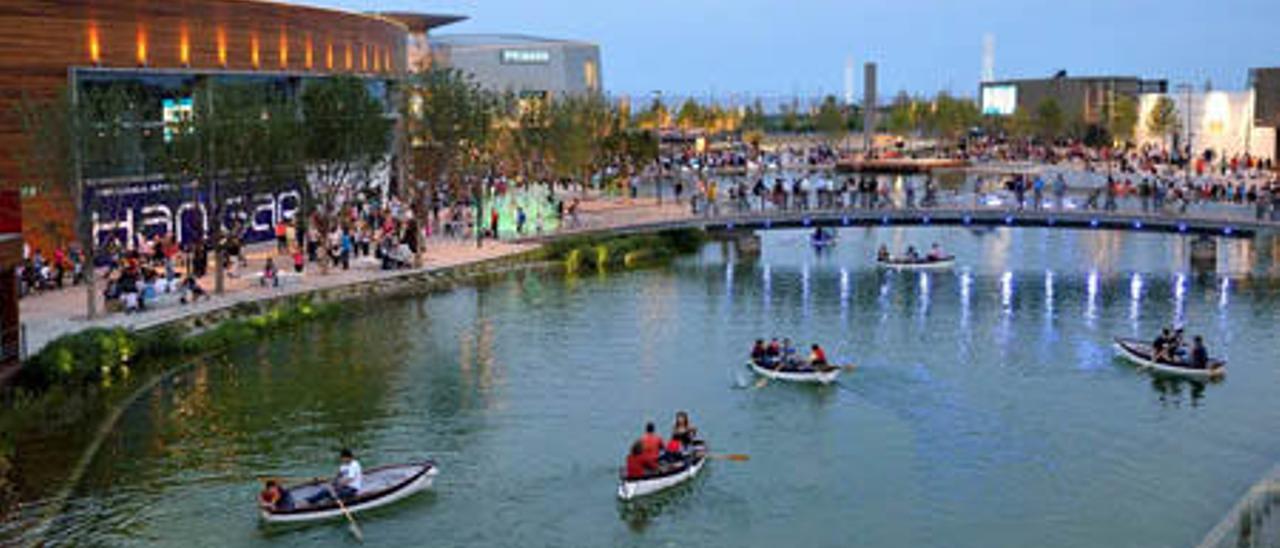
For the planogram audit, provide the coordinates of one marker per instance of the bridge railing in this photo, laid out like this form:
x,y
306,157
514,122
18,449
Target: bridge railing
x,y
1254,521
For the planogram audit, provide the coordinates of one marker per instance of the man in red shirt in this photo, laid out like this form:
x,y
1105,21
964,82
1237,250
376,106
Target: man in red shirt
x,y
651,442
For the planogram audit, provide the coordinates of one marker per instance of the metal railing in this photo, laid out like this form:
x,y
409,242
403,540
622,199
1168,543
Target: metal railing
x,y
1254,522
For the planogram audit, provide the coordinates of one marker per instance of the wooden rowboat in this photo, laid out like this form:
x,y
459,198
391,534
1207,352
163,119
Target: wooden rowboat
x,y
822,375
382,486
630,489
1139,353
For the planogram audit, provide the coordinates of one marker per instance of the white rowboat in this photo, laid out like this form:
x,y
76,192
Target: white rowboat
x,y
1139,353
382,486
823,375
900,263
630,489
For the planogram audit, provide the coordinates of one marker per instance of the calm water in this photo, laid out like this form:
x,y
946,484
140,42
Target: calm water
x,y
987,409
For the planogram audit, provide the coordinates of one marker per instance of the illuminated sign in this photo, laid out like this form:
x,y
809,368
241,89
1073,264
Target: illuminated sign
x,y
526,57
174,112
999,100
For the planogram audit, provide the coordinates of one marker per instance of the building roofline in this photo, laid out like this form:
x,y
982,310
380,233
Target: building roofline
x,y
444,39
421,22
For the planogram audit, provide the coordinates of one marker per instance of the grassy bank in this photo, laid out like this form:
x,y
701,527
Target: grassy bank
x,y
603,253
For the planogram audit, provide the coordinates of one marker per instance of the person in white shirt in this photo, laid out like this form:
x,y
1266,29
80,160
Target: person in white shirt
x,y
347,484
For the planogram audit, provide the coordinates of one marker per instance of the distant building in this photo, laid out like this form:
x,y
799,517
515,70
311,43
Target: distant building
x,y
1265,84
1083,97
523,64
1220,121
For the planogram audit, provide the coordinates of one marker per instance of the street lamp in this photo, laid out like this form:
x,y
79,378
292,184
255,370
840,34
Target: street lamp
x,y
1186,89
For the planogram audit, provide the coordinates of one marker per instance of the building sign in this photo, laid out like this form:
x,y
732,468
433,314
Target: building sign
x,y
132,212
999,100
526,57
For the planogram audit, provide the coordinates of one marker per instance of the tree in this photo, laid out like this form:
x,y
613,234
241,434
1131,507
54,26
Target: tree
x,y
1163,118
347,139
449,122
690,115
953,117
830,120
65,133
1122,118
1049,120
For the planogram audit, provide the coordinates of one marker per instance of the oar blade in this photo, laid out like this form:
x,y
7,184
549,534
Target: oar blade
x,y
738,457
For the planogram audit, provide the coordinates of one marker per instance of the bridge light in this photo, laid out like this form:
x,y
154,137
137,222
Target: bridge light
x,y
1052,221
1182,227
1228,231
968,220
845,220
730,225
1093,223
926,219
806,221
1008,219
768,223
1137,224
884,220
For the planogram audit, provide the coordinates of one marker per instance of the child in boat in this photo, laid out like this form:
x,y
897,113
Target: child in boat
x,y
639,463
275,497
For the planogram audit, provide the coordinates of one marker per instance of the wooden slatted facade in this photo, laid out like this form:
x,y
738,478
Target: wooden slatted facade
x,y
41,40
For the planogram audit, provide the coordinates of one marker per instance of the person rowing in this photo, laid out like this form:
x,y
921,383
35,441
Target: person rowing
x,y
346,485
935,253
1199,354
912,255
817,357
682,437
788,350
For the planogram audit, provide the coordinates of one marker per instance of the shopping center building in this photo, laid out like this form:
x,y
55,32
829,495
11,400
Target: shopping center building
x,y
526,65
163,50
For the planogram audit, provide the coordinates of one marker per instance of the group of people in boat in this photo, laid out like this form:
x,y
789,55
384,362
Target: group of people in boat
x,y
935,254
651,455
1169,347
784,354
345,485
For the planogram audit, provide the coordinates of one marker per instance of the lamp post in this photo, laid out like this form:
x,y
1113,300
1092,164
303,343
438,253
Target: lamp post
x,y
657,134
1186,88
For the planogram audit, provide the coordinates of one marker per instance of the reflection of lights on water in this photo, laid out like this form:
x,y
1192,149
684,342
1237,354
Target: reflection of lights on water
x,y
766,283
1091,292
844,291
1048,292
804,285
1135,295
1224,292
924,291
1179,297
1006,290
728,280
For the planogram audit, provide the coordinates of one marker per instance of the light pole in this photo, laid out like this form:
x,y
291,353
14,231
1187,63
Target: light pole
x,y
1186,88
657,135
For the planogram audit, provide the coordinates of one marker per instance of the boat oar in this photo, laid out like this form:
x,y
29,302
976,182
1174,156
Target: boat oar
x,y
765,380
354,527
737,457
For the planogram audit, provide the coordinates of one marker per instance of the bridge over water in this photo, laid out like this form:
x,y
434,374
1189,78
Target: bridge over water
x,y
1205,219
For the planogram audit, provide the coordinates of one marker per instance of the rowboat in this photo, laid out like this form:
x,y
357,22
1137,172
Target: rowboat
x,y
903,263
382,486
630,489
822,375
1139,353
